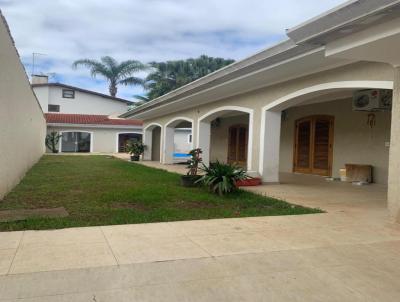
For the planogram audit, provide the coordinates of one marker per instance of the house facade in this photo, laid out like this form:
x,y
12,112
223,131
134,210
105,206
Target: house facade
x,y
61,98
22,125
326,98
86,120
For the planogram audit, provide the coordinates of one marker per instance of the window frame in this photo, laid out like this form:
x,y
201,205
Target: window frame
x,y
66,90
55,105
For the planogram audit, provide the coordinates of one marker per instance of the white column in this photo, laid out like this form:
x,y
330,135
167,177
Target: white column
x,y
203,140
394,154
270,141
168,149
147,141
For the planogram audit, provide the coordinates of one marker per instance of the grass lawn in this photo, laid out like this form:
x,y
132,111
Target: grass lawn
x,y
102,190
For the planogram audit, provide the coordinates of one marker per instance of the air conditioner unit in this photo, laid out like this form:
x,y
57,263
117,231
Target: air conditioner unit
x,y
372,100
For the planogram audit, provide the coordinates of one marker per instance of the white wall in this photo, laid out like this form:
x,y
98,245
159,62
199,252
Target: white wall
x,y
104,139
83,103
22,125
354,141
181,141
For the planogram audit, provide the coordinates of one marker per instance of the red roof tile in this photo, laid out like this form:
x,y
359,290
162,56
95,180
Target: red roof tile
x,y
92,119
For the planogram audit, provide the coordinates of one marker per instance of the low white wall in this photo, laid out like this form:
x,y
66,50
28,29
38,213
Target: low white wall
x,y
22,125
354,141
104,140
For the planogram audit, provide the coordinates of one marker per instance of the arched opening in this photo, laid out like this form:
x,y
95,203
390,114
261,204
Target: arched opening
x,y
152,141
123,139
76,142
225,134
178,140
320,131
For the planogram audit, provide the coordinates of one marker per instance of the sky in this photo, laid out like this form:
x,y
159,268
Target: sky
x,y
62,31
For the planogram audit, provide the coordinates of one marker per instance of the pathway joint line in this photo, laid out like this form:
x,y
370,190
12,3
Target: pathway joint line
x,y
16,251
109,246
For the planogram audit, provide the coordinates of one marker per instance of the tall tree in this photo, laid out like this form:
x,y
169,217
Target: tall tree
x,y
170,75
114,72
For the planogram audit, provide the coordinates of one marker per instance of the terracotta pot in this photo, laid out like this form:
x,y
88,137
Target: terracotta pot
x,y
250,182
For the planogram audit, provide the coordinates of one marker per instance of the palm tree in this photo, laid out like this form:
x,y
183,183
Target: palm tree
x,y
115,73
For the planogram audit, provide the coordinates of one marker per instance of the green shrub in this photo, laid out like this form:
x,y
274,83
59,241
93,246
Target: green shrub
x,y
221,178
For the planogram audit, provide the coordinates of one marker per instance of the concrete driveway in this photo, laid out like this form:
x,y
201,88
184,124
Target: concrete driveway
x,y
351,253
338,256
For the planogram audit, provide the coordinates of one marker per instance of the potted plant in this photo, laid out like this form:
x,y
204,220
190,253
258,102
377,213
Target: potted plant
x,y
222,178
191,178
52,140
135,149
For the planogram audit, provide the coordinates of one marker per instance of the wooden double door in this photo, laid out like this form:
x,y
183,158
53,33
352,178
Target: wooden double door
x,y
313,145
237,145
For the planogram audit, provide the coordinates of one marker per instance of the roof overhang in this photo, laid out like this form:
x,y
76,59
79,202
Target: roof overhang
x,y
97,126
351,17
263,70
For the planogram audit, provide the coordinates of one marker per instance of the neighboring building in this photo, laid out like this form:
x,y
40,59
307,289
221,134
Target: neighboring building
x,y
90,119
311,104
87,120
61,98
93,133
22,125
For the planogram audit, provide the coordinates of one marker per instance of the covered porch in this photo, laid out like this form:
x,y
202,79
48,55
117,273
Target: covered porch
x,y
313,191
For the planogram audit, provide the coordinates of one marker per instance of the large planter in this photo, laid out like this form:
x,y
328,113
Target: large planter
x,y
190,180
250,182
135,157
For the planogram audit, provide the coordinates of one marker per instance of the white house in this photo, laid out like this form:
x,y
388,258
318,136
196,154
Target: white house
x,y
87,120
325,99
61,98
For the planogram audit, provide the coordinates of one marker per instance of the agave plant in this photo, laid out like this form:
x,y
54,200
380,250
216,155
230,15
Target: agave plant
x,y
221,178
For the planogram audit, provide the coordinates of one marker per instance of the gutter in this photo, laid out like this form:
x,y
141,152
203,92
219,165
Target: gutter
x,y
139,128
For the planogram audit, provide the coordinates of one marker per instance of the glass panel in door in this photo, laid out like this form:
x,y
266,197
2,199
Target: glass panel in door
x,y
303,145
83,142
68,142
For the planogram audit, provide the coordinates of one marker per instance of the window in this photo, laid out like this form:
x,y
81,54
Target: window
x,y
54,108
189,138
68,94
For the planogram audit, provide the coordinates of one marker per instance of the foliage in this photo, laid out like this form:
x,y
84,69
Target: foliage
x,y
135,147
221,178
52,140
115,73
194,161
170,75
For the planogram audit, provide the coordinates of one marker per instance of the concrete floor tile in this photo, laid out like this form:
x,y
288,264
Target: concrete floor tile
x,y
62,237
237,243
6,258
138,249
38,258
126,232
10,240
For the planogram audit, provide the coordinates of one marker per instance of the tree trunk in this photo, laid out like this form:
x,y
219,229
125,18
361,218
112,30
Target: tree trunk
x,y
113,89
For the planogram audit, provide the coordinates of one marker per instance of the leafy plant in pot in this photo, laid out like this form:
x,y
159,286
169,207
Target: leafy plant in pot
x,y
222,178
191,178
52,140
135,149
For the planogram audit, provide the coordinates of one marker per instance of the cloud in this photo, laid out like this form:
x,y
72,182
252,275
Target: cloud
x,y
147,30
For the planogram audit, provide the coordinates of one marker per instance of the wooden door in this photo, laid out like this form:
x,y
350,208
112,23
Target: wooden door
x,y
237,145
313,145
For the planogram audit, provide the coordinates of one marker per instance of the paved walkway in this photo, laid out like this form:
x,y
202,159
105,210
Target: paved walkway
x,y
348,254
